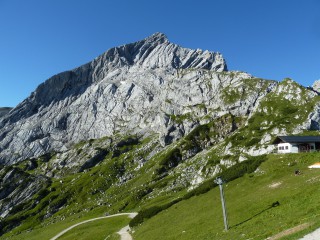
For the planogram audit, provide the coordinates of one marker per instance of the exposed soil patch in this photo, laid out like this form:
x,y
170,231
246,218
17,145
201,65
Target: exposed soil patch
x,y
275,185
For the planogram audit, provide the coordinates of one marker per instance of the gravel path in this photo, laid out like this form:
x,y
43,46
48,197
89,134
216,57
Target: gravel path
x,y
124,235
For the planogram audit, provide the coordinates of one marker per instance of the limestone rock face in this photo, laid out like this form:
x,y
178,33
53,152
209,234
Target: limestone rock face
x,y
316,85
18,187
148,86
4,111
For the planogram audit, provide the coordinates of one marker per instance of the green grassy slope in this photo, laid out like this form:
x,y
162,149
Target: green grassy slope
x,y
248,198
249,201
92,193
99,229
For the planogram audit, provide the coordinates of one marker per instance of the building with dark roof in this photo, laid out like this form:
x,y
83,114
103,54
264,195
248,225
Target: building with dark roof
x,y
295,144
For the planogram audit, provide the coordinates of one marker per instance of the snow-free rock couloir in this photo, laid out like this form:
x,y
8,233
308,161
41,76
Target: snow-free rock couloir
x,y
134,88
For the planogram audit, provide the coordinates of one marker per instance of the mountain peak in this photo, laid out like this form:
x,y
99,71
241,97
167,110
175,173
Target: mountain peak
x,y
158,36
156,51
92,100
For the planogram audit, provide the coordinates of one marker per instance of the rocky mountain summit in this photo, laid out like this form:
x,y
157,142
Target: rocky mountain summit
x,y
132,87
138,127
151,86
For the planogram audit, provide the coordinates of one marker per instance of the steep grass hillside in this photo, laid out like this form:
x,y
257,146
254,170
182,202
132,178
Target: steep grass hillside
x,y
251,204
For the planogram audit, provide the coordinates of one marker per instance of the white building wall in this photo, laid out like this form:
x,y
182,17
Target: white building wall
x,y
294,147
284,148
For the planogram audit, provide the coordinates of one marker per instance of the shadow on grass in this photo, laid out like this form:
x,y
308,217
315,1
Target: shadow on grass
x,y
275,204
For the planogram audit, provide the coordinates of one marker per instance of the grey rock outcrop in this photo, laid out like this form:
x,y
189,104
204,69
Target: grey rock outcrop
x,y
148,86
4,111
313,120
16,187
316,85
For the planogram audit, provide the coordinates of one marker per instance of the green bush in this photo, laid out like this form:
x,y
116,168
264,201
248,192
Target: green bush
x,y
18,208
150,212
168,161
42,193
201,131
288,109
242,168
252,141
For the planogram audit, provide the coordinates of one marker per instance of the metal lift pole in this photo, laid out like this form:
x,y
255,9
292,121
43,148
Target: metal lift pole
x,y
224,208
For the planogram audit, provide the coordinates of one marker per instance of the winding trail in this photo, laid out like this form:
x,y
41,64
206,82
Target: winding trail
x,y
123,232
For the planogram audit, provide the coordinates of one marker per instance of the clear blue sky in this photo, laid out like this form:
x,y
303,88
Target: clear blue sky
x,y
272,39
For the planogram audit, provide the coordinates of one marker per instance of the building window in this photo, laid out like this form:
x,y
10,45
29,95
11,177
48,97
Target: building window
x,y
287,147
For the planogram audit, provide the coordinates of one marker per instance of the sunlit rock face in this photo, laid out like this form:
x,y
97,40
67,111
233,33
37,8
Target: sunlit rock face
x,y
132,89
